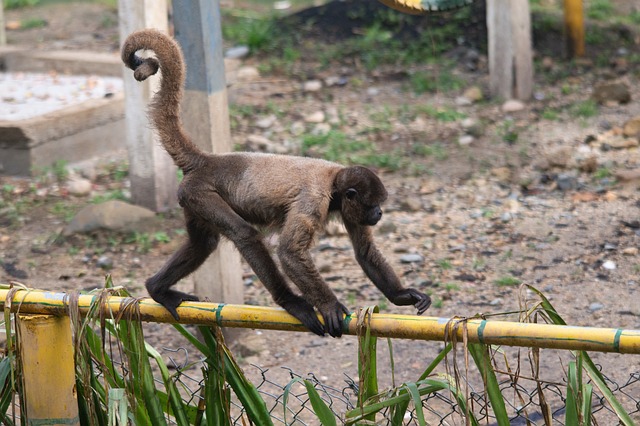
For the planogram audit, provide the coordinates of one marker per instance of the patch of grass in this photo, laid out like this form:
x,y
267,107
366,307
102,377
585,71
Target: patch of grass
x,y
600,10
602,173
14,4
116,194
256,33
507,281
161,237
584,109
426,82
437,303
436,150
449,286
63,210
337,146
551,114
31,23
444,264
445,114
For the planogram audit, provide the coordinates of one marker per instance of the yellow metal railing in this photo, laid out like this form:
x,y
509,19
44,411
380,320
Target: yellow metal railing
x,y
382,325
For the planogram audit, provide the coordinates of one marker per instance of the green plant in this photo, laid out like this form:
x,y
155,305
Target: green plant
x,y
584,109
550,114
116,194
12,4
31,23
445,114
444,264
436,150
444,81
507,281
599,9
602,173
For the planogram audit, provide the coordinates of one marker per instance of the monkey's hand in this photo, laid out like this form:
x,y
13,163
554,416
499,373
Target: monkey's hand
x,y
171,299
333,315
410,296
304,312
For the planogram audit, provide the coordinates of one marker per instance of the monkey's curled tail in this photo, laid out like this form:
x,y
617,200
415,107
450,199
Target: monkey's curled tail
x,y
164,109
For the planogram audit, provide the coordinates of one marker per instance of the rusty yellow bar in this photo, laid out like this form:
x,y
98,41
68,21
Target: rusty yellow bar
x,y
574,27
382,325
46,351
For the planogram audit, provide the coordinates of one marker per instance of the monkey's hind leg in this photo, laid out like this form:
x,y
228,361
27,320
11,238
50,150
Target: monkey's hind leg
x,y
201,243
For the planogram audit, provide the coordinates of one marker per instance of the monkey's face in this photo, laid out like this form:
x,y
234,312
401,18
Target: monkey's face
x,y
362,195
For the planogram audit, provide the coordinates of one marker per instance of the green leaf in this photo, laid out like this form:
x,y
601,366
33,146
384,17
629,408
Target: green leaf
x,y
320,408
591,369
481,358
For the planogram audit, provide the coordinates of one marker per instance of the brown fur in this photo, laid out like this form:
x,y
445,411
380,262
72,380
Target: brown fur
x,y
227,194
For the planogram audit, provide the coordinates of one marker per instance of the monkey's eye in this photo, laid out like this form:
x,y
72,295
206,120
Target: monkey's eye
x,y
351,193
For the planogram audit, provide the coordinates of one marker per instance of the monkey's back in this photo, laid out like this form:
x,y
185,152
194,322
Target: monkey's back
x,y
266,187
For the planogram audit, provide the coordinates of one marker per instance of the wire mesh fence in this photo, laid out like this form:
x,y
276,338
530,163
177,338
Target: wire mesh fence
x,y
528,399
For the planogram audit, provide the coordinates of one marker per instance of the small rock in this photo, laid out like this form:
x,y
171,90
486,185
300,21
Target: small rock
x,y
622,143
373,91
104,262
632,128
259,143
297,128
473,93
387,227
282,5
503,174
595,306
496,302
411,205
321,129
627,175
78,186
506,217
237,52
110,215
248,74
512,105
316,117
335,228
462,101
312,86
566,182
335,81
266,122
559,157
465,140
324,267
609,265
411,258
472,127
617,92
630,251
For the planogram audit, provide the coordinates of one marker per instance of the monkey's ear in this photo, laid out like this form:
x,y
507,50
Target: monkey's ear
x,y
351,193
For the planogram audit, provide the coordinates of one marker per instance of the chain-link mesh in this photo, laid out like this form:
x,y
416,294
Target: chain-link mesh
x,y
526,398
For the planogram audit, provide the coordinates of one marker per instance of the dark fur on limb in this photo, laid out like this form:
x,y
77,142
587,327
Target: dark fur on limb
x,y
227,195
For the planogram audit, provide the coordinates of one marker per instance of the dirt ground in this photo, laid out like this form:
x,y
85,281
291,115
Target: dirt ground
x,y
481,215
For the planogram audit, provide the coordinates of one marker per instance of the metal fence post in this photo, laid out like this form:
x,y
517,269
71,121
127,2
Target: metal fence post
x,y
49,379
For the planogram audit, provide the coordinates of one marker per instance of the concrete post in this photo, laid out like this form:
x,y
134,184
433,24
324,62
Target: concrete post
x,y
49,373
151,170
205,115
510,49
3,33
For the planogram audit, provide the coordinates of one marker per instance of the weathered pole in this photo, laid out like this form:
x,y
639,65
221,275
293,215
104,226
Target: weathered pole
x,y
151,170
205,115
510,49
574,27
3,33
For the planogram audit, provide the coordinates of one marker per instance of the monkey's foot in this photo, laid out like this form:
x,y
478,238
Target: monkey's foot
x,y
333,316
171,299
304,312
410,296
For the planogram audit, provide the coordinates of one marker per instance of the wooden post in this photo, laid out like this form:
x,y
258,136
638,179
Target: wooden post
x,y
3,33
205,115
500,48
510,50
151,170
49,373
522,48
574,27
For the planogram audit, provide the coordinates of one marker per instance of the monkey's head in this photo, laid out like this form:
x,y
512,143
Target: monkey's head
x,y
360,193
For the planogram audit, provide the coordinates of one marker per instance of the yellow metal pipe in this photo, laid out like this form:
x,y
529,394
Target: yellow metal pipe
x,y
382,325
48,370
574,26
